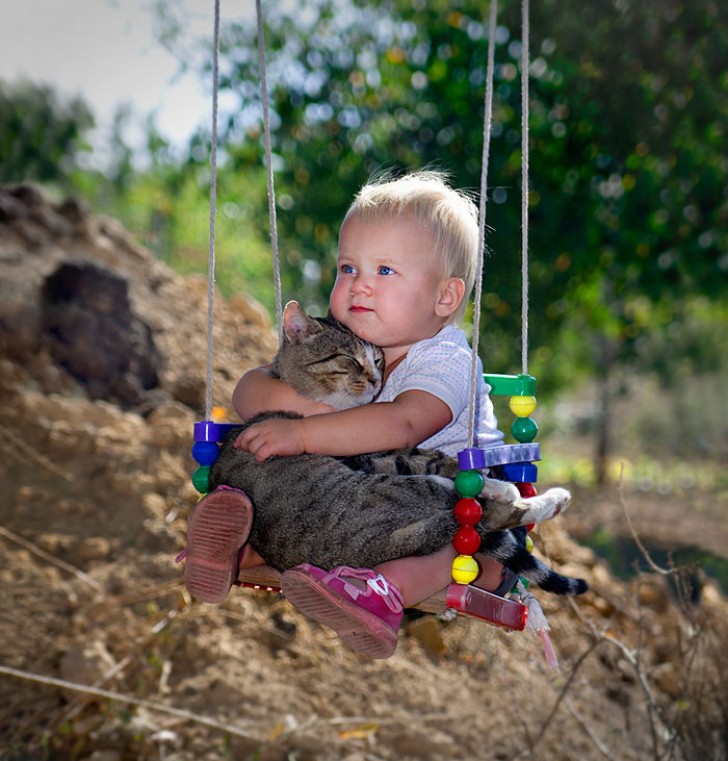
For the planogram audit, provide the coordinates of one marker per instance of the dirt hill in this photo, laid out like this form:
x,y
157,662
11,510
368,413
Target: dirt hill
x,y
102,374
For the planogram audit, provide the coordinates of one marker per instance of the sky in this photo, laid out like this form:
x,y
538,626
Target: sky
x,y
105,51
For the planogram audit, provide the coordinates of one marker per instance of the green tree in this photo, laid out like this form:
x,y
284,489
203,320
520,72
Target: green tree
x,y
42,137
627,119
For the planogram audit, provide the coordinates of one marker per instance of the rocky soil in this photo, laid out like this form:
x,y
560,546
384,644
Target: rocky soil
x,y
103,656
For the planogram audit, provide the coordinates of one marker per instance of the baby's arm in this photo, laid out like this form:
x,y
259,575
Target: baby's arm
x,y
260,391
405,422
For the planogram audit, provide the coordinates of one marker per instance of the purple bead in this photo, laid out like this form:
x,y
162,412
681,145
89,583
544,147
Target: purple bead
x,y
471,459
209,430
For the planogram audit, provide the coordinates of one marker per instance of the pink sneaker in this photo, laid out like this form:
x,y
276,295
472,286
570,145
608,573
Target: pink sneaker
x,y
367,620
218,528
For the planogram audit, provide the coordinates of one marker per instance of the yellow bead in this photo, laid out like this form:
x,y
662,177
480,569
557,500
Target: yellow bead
x,y
529,544
465,569
522,406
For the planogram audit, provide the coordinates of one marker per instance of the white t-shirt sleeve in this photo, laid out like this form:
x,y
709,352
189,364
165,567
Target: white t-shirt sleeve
x,y
441,369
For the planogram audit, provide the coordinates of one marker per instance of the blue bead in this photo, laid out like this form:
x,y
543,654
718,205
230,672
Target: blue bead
x,y
205,452
521,472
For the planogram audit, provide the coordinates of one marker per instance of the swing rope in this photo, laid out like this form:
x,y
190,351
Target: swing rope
x,y
213,195
488,115
487,124
269,171
525,65
213,213
487,121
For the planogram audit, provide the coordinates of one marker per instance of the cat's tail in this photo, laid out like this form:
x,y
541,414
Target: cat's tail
x,y
518,559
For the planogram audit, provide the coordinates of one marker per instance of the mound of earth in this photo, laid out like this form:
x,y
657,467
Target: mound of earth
x,y
102,374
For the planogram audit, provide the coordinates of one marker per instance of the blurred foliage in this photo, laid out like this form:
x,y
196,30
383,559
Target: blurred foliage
x,y
41,135
628,201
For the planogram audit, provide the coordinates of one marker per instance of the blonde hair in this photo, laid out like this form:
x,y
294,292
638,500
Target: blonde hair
x,y
450,213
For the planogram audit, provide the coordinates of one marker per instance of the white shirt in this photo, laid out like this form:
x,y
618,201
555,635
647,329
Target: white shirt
x,y
441,366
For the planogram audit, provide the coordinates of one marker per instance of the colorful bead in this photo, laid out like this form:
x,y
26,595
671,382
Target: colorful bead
x,y
469,483
465,569
522,406
526,489
466,541
471,459
520,472
529,543
524,429
201,478
468,511
209,430
205,452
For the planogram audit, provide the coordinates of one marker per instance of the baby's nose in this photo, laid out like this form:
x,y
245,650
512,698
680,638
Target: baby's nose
x,y
360,284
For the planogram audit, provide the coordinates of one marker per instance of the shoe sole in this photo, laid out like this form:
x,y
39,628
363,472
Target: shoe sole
x,y
217,530
361,631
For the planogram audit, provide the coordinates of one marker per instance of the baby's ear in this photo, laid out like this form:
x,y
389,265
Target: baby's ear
x,y
297,325
451,296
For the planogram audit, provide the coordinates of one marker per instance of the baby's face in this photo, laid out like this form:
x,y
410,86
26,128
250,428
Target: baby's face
x,y
389,282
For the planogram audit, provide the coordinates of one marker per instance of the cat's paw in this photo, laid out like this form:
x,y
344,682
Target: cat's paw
x,y
544,507
500,492
503,506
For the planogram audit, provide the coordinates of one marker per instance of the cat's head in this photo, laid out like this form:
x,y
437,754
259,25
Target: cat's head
x,y
325,361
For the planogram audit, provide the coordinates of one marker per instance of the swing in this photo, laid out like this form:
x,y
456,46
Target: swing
x,y
511,462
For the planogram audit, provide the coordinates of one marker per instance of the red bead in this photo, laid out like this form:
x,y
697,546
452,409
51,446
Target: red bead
x,y
466,541
468,511
530,526
526,489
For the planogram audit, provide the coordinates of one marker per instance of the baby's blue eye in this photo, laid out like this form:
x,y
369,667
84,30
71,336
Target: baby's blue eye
x,y
347,269
383,270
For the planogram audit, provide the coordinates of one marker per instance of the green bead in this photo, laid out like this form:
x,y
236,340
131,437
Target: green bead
x,y
468,483
201,478
524,429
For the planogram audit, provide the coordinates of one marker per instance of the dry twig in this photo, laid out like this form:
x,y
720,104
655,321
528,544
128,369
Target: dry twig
x,y
9,535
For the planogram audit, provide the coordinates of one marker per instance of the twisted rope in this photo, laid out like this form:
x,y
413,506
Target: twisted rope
x,y
525,64
269,172
487,121
213,213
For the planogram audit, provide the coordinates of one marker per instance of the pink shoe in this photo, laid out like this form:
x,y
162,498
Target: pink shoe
x,y
218,528
367,620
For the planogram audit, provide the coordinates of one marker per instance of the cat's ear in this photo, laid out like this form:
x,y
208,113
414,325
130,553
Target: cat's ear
x,y
297,325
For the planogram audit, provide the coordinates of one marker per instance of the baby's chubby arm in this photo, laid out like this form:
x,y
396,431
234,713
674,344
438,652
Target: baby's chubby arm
x,y
405,422
260,391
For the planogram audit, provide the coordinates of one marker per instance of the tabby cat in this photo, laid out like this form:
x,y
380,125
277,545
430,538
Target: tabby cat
x,y
361,511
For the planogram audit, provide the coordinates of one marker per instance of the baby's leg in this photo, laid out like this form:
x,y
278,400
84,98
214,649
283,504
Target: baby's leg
x,y
218,529
418,578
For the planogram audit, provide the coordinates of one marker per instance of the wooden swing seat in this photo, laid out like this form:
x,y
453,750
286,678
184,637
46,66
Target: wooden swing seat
x,y
462,598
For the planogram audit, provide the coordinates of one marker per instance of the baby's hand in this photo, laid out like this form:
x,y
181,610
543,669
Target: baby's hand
x,y
272,437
